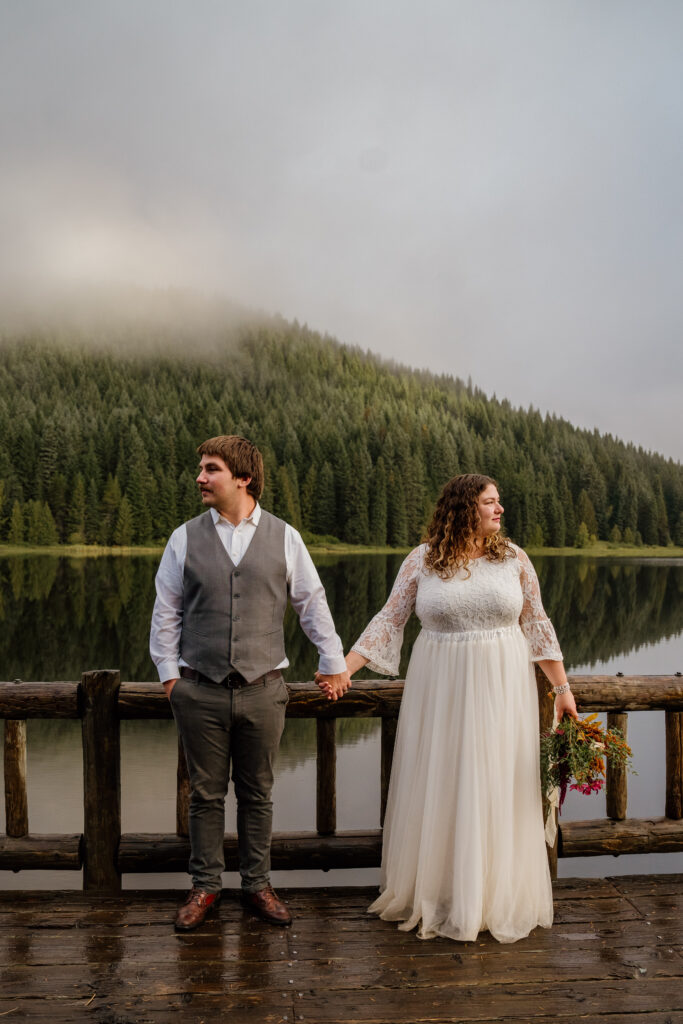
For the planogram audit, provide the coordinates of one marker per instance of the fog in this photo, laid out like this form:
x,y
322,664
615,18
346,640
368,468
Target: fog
x,y
487,188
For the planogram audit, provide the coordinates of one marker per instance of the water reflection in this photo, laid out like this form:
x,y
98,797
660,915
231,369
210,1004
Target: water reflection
x,y
61,616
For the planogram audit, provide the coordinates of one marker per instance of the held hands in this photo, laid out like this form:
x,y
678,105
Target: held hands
x,y
334,686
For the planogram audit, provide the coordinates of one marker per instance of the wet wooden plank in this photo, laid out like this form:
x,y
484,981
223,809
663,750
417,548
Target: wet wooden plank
x,y
659,906
53,965
516,1002
615,957
633,884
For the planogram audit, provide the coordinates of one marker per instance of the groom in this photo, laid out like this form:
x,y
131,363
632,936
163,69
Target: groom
x,y
218,644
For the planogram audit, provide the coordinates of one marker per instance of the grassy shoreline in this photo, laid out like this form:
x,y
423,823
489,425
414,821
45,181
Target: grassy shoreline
x,y
600,549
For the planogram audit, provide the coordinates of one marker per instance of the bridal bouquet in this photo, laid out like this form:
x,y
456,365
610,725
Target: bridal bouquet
x,y
574,756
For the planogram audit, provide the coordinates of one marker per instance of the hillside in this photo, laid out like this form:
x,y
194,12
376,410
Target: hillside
x,y
98,438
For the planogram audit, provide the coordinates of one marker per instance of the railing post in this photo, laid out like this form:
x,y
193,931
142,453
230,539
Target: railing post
x,y
101,780
326,777
16,802
674,764
387,757
182,803
545,722
617,786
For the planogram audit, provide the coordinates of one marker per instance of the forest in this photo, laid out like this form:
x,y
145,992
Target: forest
x,y
98,438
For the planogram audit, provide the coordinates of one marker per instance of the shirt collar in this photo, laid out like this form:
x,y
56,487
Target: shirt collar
x,y
253,518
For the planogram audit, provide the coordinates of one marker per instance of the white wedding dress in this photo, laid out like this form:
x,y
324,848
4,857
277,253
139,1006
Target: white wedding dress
x,y
464,846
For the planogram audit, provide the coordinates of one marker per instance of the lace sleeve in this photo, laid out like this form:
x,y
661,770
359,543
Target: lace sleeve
x,y
381,640
536,626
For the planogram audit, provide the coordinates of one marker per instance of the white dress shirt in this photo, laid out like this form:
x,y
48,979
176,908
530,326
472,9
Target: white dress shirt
x,y
306,593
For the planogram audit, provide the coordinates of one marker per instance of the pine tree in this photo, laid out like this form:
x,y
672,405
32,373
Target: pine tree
x,y
378,504
139,490
585,513
109,510
308,498
41,525
325,507
357,526
16,525
397,521
58,504
76,515
125,526
287,498
48,458
92,513
582,536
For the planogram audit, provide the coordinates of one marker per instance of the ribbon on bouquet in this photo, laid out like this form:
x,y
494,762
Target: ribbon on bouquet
x,y
553,798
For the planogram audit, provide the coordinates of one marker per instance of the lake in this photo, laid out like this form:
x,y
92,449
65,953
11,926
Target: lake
x,y
61,616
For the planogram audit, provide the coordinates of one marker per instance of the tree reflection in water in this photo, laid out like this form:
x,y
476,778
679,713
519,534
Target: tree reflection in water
x,y
60,616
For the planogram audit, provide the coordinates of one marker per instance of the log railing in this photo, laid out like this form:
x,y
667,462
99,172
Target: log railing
x,y
101,701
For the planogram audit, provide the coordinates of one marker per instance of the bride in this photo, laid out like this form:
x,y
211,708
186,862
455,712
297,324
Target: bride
x,y
464,846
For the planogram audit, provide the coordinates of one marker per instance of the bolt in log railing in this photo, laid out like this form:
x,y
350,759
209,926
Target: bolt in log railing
x,y
101,702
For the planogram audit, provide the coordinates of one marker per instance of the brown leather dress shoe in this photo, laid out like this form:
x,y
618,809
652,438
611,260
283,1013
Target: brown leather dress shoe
x,y
195,908
266,905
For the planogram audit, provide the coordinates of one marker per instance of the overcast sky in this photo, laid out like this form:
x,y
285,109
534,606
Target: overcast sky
x,y
479,187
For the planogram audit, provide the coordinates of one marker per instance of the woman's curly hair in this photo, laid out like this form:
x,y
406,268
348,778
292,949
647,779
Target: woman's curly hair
x,y
454,525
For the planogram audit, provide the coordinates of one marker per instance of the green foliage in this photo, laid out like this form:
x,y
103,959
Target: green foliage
x,y
16,527
353,447
582,536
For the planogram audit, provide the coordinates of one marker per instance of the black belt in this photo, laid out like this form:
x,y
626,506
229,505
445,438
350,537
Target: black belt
x,y
233,680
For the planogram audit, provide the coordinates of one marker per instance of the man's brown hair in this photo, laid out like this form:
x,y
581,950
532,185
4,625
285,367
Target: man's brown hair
x,y
240,456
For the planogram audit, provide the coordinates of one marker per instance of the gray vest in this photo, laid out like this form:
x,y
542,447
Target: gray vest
x,y
232,615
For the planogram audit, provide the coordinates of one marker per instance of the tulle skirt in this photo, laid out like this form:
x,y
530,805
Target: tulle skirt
x,y
464,846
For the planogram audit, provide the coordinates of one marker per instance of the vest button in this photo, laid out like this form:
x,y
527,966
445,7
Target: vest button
x,y
236,572
235,595
235,618
235,639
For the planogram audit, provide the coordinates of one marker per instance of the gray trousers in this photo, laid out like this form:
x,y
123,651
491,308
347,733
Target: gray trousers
x,y
221,727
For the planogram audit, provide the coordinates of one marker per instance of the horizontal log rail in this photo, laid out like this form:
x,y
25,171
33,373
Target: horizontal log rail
x,y
101,702
368,698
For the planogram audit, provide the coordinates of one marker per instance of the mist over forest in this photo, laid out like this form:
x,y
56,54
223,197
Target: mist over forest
x,y
99,427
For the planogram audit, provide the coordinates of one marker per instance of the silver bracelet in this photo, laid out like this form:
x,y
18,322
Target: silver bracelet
x,y
559,690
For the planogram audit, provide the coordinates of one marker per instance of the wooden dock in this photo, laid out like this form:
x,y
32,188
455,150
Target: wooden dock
x,y
614,955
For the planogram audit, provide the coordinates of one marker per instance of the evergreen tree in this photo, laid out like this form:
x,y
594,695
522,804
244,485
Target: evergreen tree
x,y
287,498
582,536
308,498
397,520
92,513
139,488
378,504
109,510
76,516
125,525
325,507
57,501
585,513
41,525
48,458
16,525
357,526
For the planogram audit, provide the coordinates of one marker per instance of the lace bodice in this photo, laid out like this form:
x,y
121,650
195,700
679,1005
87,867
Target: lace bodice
x,y
494,595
